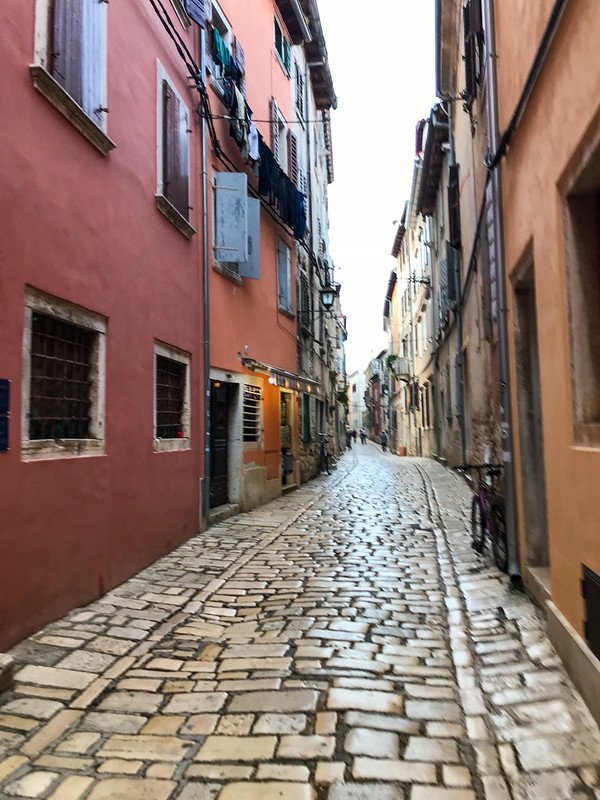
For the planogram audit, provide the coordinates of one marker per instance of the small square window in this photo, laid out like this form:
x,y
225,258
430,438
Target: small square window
x,y
171,398
251,413
170,392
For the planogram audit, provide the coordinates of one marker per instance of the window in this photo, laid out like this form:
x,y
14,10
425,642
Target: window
x,y
299,90
474,48
70,64
284,276
173,156
304,315
63,384
282,48
581,205
222,30
251,413
171,398
279,138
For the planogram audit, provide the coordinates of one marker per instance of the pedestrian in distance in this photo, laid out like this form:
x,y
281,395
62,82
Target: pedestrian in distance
x,y
363,436
349,439
384,440
354,435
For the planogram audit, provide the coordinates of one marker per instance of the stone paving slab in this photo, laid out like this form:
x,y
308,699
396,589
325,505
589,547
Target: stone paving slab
x,y
342,643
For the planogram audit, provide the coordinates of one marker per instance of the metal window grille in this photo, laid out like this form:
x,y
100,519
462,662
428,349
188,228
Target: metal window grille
x,y
61,379
170,394
251,413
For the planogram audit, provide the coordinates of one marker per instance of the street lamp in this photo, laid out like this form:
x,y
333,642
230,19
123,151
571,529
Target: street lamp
x,y
328,294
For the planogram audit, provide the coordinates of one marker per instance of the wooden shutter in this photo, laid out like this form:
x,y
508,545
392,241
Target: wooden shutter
x,y
198,10
175,151
181,193
67,46
239,55
454,206
275,129
293,158
231,216
469,55
94,60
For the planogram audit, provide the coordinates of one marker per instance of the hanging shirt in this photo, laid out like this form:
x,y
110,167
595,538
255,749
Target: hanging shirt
x,y
253,150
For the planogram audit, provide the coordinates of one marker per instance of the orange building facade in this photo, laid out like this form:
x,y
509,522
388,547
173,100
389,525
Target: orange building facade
x,y
257,395
551,200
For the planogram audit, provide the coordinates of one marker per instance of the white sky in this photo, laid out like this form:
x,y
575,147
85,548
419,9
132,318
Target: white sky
x,y
382,59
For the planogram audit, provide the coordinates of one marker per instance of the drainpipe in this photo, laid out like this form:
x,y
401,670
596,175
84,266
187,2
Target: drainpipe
x,y
499,262
206,305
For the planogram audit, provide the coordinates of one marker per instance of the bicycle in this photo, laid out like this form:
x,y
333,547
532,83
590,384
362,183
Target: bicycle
x,y
323,457
487,513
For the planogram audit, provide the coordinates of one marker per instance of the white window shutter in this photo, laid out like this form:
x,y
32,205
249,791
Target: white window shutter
x,y
198,10
275,129
251,268
231,216
94,60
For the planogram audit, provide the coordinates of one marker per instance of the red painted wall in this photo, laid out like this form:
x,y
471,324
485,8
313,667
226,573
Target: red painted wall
x,y
85,228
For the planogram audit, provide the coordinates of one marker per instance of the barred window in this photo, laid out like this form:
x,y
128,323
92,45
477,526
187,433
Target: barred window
x,y
61,379
251,413
170,397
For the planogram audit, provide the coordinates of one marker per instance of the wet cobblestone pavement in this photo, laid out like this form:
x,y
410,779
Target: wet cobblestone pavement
x,y
342,643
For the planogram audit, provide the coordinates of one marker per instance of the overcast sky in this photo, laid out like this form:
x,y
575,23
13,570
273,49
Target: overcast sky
x,y
382,59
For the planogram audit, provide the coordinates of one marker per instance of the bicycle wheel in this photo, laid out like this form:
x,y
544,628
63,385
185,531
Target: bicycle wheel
x,y
327,464
477,525
499,543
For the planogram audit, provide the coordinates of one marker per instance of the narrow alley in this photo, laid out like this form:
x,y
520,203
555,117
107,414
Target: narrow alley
x,y
342,643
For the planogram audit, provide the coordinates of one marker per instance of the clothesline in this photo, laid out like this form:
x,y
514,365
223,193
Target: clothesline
x,y
288,122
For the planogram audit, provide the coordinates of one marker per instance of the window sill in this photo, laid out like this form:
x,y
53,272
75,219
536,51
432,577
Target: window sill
x,y
171,445
287,312
175,218
40,449
54,93
227,273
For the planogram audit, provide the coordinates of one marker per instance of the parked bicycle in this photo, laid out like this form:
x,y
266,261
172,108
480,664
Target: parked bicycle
x,y
324,458
487,512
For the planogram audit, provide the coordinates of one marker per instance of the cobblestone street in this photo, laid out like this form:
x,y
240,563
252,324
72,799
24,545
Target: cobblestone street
x,y
342,643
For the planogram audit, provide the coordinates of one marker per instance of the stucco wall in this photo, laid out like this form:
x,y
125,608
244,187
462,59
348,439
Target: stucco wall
x,y
85,228
561,115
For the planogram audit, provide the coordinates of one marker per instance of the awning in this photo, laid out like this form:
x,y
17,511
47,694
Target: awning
x,y
285,379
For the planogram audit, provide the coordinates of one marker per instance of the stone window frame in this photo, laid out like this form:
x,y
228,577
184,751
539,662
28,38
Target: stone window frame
x,y
183,357
38,449
579,189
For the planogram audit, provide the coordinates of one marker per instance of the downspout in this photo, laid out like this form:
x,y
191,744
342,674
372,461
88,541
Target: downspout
x,y
499,262
206,305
